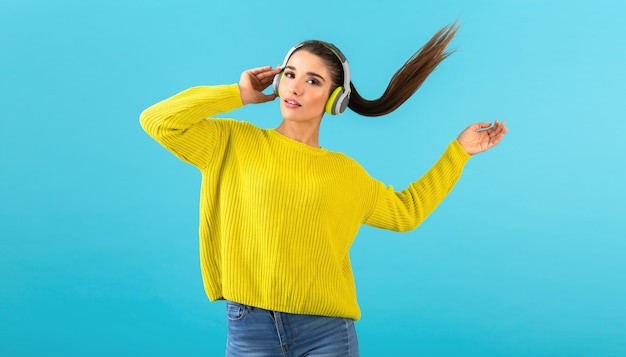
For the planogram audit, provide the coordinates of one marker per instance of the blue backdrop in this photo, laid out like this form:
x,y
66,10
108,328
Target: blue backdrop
x,y
98,223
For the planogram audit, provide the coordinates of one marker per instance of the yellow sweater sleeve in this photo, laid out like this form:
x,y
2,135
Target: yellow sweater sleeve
x,y
180,123
405,210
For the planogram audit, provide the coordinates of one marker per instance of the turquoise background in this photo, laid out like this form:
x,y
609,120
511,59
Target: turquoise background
x,y
98,223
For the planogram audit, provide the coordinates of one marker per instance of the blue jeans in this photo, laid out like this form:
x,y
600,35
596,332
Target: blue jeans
x,y
253,331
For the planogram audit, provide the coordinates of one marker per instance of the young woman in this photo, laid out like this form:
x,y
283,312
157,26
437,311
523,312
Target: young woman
x,y
278,213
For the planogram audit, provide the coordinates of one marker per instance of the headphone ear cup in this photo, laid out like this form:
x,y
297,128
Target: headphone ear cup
x,y
276,83
337,102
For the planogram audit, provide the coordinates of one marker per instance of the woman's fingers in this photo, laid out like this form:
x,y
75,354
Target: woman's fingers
x,y
264,72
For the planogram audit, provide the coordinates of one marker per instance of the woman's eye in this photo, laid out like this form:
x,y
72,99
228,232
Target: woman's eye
x,y
312,81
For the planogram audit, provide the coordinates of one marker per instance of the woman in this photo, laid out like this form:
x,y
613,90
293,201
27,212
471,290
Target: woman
x,y
278,213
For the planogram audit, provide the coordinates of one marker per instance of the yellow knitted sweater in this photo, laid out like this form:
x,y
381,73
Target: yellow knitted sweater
x,y
277,217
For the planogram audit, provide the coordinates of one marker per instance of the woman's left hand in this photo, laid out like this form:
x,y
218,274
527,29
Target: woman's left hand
x,y
480,137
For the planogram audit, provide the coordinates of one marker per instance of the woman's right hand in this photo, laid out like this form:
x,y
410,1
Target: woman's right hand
x,y
253,82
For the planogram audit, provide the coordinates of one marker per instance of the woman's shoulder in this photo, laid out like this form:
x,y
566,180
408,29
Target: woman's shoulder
x,y
347,161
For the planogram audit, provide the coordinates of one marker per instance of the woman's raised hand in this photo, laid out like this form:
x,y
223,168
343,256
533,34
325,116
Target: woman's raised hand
x,y
480,137
253,82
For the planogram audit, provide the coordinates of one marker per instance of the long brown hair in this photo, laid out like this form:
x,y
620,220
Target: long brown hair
x,y
408,78
404,82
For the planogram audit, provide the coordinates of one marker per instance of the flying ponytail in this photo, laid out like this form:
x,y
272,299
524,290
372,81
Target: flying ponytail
x,y
408,78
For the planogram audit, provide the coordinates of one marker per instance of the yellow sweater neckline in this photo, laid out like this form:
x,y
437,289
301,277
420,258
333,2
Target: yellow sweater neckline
x,y
296,144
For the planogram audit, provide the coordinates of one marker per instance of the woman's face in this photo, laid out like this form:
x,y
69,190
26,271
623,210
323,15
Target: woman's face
x,y
304,88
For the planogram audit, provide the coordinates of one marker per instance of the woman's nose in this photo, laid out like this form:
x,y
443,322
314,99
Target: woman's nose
x,y
294,87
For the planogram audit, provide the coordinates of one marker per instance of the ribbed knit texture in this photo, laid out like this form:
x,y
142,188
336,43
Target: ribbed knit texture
x,y
277,217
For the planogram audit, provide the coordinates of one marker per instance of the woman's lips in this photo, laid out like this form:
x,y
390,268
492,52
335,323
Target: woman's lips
x,y
290,103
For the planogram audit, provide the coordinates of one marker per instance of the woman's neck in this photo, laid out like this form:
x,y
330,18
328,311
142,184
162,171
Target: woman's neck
x,y
306,133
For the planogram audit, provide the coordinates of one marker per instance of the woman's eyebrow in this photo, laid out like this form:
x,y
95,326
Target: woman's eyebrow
x,y
308,73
